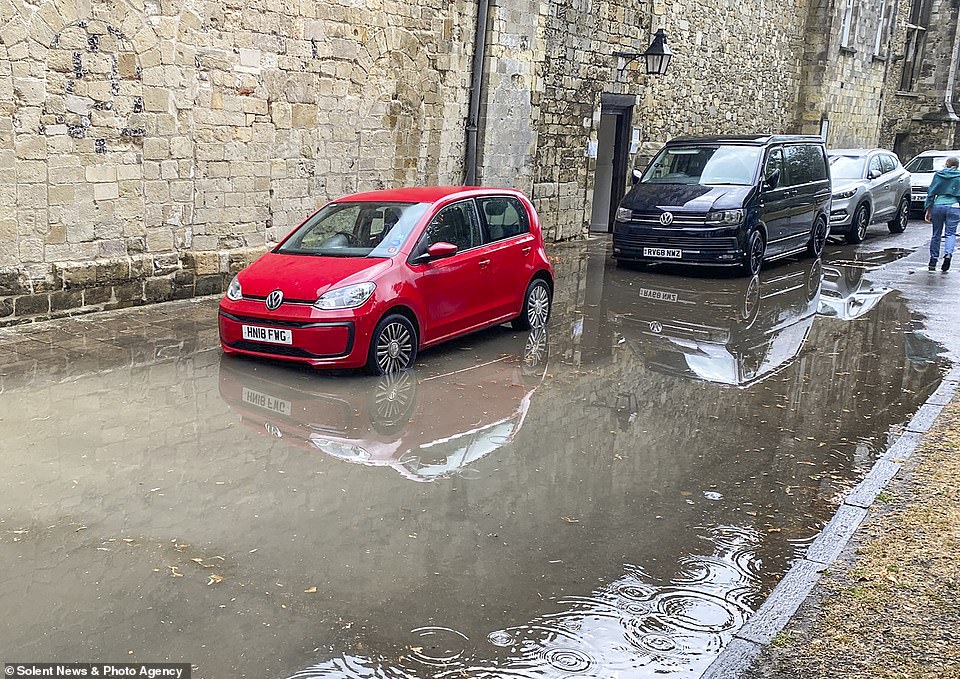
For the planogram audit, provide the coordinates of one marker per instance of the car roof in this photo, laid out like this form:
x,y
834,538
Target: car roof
x,y
927,154
749,139
422,194
856,152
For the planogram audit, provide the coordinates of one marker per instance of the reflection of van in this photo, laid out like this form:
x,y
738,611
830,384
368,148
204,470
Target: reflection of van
x,y
734,201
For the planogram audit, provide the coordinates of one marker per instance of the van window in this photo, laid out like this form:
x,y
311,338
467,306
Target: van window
x,y
726,164
805,164
888,163
504,217
775,164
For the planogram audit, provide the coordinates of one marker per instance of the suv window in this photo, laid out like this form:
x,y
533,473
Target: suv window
x,y
457,224
875,166
504,217
775,164
805,164
888,162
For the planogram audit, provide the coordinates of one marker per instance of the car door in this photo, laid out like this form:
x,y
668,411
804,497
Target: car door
x,y
776,200
453,289
887,189
875,187
510,245
805,165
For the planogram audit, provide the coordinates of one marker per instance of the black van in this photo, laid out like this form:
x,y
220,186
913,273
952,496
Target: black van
x,y
728,201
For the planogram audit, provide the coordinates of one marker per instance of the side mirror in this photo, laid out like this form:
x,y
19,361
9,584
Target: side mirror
x,y
873,174
635,178
772,180
439,250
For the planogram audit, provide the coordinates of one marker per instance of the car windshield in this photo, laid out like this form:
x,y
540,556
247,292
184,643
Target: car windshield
x,y
704,165
846,167
361,229
927,164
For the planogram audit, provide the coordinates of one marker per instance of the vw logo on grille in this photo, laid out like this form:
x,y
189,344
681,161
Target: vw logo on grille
x,y
274,299
666,218
656,326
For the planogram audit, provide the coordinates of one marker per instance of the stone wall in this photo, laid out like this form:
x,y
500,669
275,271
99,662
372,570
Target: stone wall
x,y
143,151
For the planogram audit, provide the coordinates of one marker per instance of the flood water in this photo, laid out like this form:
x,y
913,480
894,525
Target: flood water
x,y
611,499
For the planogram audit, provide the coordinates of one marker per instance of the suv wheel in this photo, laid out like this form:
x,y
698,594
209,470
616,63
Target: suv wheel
x,y
858,227
900,220
756,249
818,238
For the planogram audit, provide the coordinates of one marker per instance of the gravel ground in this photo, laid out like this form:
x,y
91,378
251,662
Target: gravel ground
x,y
890,607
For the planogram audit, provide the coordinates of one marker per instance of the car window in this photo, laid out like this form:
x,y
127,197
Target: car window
x,y
847,167
457,224
805,164
774,164
926,163
503,217
888,163
875,166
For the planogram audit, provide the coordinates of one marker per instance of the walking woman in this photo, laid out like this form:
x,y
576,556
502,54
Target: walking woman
x,y
942,209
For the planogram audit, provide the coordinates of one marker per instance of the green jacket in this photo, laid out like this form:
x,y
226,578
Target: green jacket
x,y
944,189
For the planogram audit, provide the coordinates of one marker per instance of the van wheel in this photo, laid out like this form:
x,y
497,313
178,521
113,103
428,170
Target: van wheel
x,y
902,218
756,249
536,306
393,346
818,238
858,227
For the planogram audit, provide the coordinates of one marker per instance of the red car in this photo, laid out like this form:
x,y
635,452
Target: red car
x,y
373,278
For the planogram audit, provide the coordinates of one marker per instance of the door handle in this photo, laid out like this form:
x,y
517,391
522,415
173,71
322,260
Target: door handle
x,y
483,263
526,249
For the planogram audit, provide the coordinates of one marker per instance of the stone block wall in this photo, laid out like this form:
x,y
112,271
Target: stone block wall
x,y
170,138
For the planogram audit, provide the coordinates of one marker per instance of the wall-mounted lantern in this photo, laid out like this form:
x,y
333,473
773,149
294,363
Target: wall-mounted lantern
x,y
657,56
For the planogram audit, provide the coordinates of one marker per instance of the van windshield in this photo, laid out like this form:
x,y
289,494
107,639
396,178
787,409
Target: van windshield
x,y
706,165
361,229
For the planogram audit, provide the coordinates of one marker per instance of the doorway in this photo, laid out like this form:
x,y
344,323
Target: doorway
x,y
613,154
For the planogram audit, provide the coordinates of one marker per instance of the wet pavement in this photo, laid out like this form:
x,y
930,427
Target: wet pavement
x,y
609,499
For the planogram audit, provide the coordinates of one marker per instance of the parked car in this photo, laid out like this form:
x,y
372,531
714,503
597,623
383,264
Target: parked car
x,y
921,169
728,201
424,427
371,279
869,186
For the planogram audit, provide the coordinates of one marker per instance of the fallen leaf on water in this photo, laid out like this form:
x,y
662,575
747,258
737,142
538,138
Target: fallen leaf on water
x,y
312,590
570,519
214,579
175,572
80,529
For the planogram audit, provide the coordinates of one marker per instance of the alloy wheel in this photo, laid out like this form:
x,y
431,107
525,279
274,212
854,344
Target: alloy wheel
x,y
538,306
394,347
756,254
861,224
819,237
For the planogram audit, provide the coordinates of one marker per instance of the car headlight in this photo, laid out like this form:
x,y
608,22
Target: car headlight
x,y
624,214
841,195
234,293
348,297
724,217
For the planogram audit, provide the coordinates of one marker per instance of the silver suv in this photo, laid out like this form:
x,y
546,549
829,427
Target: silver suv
x,y
869,186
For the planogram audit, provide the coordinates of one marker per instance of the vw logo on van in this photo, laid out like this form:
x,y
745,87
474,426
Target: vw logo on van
x,y
666,218
656,327
274,300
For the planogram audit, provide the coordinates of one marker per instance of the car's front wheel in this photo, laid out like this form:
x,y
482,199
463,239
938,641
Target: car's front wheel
x,y
536,306
756,250
818,238
858,227
900,220
393,346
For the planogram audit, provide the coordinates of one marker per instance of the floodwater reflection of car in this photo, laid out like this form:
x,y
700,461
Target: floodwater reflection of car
x,y
425,426
847,293
725,331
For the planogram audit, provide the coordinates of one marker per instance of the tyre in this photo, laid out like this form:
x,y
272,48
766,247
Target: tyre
x,y
393,346
756,249
902,218
750,306
818,238
858,227
392,401
536,306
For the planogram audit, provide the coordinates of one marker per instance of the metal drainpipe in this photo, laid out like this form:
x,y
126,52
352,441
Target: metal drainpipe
x,y
473,115
952,78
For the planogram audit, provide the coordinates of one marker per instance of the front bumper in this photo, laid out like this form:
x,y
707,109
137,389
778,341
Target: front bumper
x,y
708,246
918,197
841,214
319,339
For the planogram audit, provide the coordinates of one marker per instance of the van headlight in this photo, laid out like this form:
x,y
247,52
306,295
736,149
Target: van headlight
x,y
234,293
347,297
624,214
725,217
841,195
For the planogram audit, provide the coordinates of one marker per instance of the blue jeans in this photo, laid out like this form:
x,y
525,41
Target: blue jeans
x,y
944,218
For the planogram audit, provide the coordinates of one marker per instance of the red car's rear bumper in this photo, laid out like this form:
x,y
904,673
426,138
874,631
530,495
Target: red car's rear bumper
x,y
339,342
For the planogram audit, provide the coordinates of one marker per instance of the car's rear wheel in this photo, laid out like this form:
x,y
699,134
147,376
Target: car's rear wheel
x,y
393,346
818,238
536,306
858,227
756,249
902,218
